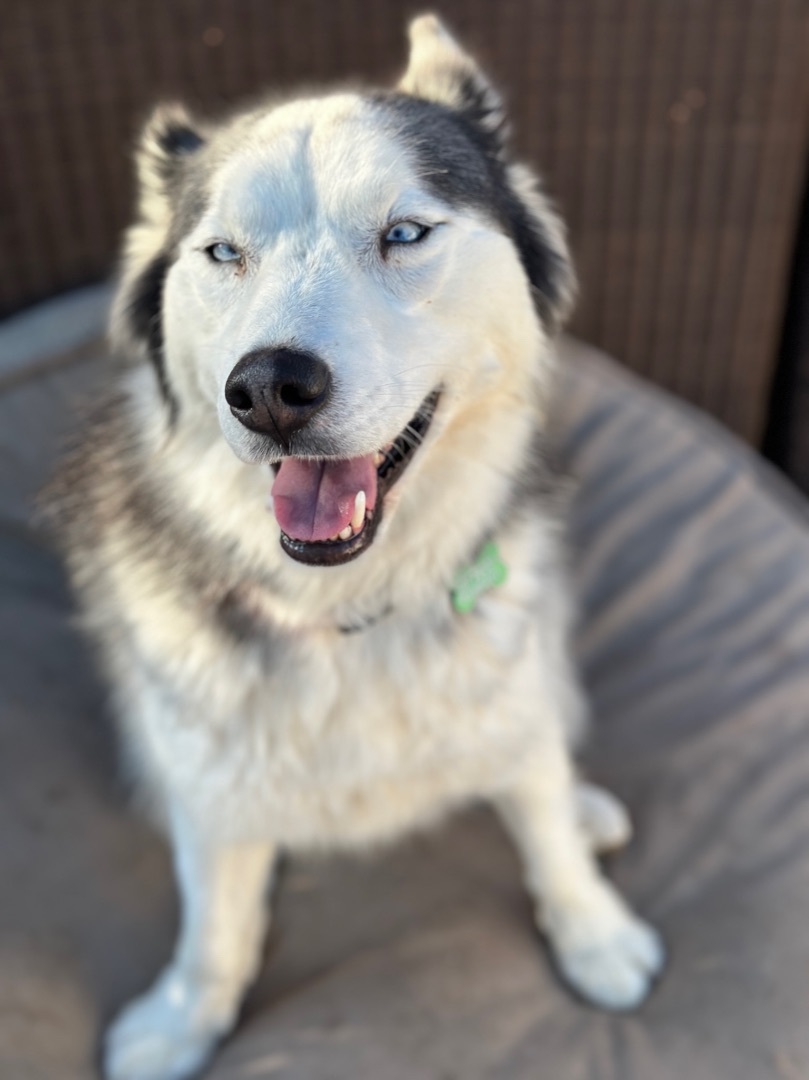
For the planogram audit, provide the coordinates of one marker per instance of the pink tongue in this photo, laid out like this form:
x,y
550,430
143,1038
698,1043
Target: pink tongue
x,y
314,500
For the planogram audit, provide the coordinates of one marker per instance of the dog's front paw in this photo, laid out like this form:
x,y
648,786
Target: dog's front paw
x,y
606,953
169,1033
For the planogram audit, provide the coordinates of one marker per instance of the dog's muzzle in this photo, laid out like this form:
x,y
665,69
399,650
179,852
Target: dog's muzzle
x,y
329,509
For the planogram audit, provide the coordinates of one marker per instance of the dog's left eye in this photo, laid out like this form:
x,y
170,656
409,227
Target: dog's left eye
x,y
223,252
406,232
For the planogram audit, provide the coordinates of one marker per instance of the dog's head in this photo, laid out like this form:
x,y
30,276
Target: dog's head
x,y
338,280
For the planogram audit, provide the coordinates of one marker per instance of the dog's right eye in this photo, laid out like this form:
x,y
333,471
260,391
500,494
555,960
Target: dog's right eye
x,y
405,232
223,252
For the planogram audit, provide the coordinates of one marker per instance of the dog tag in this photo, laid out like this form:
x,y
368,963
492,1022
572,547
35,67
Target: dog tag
x,y
486,572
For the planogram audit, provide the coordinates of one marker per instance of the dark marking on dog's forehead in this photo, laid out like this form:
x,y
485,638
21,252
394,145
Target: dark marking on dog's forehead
x,y
455,159
461,162
189,206
189,195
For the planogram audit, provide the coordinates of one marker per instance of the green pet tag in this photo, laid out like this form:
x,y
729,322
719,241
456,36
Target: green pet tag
x,y
486,572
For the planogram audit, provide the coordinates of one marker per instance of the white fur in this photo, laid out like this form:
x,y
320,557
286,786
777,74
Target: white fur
x,y
350,740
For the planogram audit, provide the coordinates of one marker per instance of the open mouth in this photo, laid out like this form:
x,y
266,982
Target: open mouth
x,y
329,509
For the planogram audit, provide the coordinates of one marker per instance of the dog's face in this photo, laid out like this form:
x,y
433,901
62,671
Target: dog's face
x,y
336,279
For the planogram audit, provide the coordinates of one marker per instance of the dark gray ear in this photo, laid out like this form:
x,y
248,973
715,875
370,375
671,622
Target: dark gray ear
x,y
169,139
439,70
541,240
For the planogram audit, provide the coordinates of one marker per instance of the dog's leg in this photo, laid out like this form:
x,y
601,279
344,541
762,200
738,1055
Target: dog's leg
x,y
603,817
169,1033
602,949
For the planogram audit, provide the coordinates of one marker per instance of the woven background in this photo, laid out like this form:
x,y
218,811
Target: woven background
x,y
673,134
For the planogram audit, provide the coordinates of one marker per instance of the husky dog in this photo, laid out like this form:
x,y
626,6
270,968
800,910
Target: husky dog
x,y
310,529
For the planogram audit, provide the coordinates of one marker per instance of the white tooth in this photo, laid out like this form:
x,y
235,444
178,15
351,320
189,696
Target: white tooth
x,y
379,457
358,516
344,535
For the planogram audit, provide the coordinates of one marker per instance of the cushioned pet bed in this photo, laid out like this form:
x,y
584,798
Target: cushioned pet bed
x,y
691,560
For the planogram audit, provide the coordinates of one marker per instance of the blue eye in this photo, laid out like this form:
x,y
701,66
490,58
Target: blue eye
x,y
406,232
224,252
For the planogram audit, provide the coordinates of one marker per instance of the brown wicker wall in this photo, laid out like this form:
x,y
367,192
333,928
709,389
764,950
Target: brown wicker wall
x,y
672,132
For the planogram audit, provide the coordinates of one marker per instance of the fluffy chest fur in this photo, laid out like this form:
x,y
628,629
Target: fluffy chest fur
x,y
321,737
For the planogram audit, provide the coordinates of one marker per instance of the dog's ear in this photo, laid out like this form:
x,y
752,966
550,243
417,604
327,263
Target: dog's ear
x,y
170,138
439,70
541,239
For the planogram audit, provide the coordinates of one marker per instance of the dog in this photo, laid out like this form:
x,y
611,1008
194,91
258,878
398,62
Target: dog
x,y
313,530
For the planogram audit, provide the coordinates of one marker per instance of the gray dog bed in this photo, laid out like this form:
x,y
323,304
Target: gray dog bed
x,y
692,564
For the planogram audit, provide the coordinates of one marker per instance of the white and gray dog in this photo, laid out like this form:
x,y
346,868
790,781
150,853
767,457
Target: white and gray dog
x,y
311,532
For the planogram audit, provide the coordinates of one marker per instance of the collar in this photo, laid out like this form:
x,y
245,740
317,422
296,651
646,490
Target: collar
x,y
486,571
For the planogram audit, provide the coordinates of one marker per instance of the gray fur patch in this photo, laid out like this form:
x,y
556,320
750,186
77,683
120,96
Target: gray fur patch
x,y
462,162
104,493
144,312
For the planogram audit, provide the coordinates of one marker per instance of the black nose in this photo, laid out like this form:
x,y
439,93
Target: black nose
x,y
277,391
